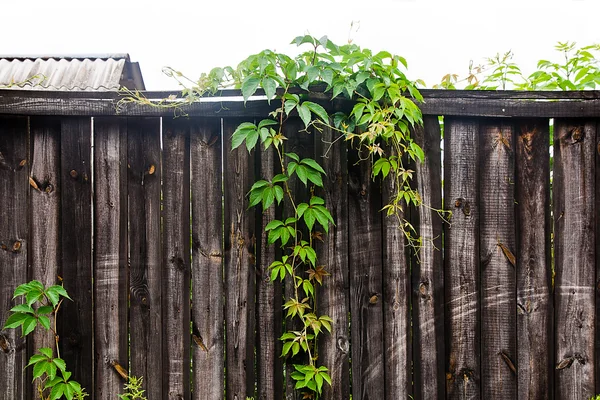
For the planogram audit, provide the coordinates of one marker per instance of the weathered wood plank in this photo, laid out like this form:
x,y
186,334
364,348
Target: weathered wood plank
x,y
145,258
534,305
428,270
497,260
461,267
110,255
397,344
269,324
239,268
14,244
207,259
574,241
332,252
176,259
44,250
437,102
75,317
366,282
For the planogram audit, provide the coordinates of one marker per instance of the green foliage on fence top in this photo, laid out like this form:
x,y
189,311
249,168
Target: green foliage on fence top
x,y
578,69
379,126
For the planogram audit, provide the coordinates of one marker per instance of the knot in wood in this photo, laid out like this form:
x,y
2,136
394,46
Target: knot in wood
x,y
49,188
73,174
343,345
16,246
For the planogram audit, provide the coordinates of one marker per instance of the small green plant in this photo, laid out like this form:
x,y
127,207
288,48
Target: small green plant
x,y
579,69
133,389
40,308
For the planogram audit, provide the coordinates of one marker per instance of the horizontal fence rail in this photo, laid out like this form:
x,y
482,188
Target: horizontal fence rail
x,y
145,219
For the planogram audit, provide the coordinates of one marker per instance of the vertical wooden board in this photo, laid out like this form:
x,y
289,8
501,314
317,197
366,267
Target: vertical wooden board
x,y
207,260
461,264
396,297
597,291
366,285
239,268
44,249
427,270
269,323
14,243
75,317
176,259
497,260
574,241
332,252
110,255
534,305
145,258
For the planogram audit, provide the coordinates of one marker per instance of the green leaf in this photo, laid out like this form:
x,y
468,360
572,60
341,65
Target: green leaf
x,y
60,363
279,178
304,113
286,348
44,321
273,224
249,86
57,391
46,351
16,320
251,139
313,164
34,295
293,156
418,151
270,86
45,310
318,110
302,173
29,325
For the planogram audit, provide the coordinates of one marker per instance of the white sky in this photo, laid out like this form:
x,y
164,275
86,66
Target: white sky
x,y
436,37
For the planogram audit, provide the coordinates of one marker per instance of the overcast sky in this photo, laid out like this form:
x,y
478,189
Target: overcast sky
x,y
436,37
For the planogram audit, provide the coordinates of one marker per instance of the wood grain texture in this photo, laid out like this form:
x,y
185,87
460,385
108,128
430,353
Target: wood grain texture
x,y
332,252
14,244
534,304
574,241
497,260
44,249
110,255
176,259
145,258
208,345
75,317
366,282
269,323
397,332
427,270
437,102
461,264
239,269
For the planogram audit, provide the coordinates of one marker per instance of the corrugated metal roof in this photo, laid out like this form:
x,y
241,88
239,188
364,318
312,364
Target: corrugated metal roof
x,y
87,73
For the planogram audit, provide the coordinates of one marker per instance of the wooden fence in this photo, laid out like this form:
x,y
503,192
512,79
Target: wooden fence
x,y
104,200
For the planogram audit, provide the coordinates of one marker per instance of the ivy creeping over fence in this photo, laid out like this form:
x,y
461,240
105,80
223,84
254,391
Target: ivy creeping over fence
x,y
379,126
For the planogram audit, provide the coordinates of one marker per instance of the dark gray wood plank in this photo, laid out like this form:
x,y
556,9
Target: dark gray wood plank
x,y
14,244
208,344
437,102
534,304
332,252
110,255
397,344
145,258
75,317
269,323
461,264
366,281
239,268
176,259
44,250
497,260
427,269
574,241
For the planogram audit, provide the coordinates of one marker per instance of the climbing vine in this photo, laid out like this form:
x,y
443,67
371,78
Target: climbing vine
x,y
383,112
